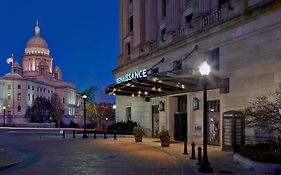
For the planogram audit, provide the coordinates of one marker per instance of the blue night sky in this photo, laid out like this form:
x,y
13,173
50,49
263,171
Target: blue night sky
x,y
82,35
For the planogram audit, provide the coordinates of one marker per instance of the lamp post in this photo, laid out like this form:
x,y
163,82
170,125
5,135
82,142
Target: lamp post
x,y
84,132
4,110
204,70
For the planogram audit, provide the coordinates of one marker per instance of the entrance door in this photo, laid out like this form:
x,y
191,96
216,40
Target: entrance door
x,y
180,126
155,121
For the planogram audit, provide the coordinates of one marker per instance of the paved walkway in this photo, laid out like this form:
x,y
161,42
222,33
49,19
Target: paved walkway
x,y
54,155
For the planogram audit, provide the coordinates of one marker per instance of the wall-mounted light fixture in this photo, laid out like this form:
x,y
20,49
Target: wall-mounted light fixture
x,y
161,106
195,103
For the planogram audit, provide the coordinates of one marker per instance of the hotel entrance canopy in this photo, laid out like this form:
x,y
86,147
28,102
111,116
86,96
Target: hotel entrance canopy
x,y
166,83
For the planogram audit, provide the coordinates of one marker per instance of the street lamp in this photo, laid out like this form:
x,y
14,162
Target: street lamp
x,y
4,110
84,132
204,70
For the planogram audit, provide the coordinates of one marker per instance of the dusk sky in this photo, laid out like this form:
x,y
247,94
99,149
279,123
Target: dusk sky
x,y
82,35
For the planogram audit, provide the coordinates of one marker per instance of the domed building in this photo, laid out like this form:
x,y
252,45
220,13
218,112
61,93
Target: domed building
x,y
36,78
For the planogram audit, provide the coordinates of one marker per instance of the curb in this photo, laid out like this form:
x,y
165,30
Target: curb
x,y
258,167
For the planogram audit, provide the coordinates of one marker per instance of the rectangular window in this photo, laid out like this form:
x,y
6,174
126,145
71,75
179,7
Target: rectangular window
x,y
19,86
177,65
182,103
128,48
163,32
214,59
19,97
32,87
9,86
214,106
131,23
188,18
164,8
155,70
28,96
32,97
221,3
9,96
128,114
63,100
28,87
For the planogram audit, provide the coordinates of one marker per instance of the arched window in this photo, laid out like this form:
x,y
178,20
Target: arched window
x,y
19,108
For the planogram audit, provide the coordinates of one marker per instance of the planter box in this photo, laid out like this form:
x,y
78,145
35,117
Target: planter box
x,y
258,167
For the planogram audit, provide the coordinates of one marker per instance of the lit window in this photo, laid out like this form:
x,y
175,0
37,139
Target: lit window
x,y
9,86
9,96
19,96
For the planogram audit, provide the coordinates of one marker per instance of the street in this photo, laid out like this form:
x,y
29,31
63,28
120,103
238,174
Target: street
x,y
49,153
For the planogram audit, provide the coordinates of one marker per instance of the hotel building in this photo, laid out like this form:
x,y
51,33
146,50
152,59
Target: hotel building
x,y
162,44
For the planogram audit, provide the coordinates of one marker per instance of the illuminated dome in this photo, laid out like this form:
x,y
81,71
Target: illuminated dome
x,y
37,44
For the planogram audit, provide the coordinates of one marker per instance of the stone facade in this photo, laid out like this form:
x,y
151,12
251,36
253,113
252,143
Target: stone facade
x,y
240,39
37,78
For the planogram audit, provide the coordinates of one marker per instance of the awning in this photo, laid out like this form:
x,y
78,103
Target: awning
x,y
167,83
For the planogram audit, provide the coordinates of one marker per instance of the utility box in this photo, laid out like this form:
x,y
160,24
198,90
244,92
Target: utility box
x,y
233,133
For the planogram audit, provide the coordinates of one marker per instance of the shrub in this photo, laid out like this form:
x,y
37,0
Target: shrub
x,y
261,153
138,130
129,125
164,135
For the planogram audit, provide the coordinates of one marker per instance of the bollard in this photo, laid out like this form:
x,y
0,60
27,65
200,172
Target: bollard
x,y
63,134
73,132
185,147
104,135
199,155
114,135
95,136
192,151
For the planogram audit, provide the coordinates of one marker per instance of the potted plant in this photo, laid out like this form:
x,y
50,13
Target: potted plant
x,y
138,132
165,138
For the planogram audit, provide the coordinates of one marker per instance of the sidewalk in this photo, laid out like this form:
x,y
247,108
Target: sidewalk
x,y
221,162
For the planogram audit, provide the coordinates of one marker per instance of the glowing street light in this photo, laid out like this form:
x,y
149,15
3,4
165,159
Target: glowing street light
x,y
4,110
204,70
84,132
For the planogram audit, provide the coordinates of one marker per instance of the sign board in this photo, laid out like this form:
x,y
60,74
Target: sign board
x,y
131,76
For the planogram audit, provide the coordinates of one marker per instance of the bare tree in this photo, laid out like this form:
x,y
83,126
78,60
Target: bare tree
x,y
263,112
57,108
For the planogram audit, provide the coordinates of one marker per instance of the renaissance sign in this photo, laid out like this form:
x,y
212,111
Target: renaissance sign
x,y
133,75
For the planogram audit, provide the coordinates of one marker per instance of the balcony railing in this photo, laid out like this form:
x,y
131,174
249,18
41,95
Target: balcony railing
x,y
212,18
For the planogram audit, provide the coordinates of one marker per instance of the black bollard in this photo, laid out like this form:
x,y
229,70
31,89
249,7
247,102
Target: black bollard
x,y
104,135
199,155
114,135
192,151
63,134
185,147
73,134
95,136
